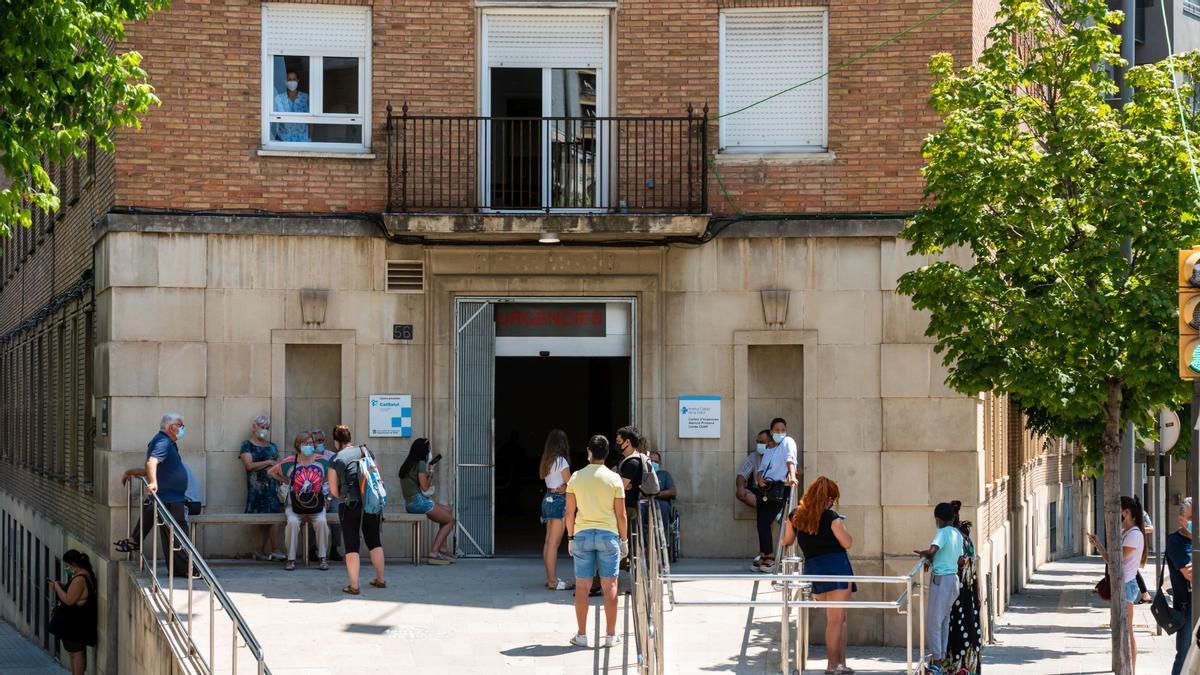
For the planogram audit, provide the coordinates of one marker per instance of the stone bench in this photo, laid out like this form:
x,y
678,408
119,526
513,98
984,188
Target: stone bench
x,y
412,519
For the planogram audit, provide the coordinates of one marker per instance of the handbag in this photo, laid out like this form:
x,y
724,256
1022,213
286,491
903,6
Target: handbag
x,y
1104,588
58,621
773,491
1166,616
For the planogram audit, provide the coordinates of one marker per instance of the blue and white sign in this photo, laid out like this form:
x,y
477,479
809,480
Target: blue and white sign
x,y
699,416
391,415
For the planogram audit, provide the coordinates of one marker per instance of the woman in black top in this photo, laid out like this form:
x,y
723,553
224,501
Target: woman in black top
x,y
822,536
74,620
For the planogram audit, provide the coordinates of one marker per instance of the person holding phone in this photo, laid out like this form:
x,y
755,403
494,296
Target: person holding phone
x,y
416,482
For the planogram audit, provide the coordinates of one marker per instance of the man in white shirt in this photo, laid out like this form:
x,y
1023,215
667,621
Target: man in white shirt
x,y
776,476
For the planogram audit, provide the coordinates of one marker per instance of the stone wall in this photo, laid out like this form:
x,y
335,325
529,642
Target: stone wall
x,y
201,325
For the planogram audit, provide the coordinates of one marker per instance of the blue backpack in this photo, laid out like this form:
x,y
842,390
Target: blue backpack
x,y
370,484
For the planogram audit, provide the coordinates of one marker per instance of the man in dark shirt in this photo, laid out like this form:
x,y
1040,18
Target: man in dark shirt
x,y
167,477
630,469
1179,563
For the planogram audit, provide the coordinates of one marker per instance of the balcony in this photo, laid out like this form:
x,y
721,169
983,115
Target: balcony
x,y
457,173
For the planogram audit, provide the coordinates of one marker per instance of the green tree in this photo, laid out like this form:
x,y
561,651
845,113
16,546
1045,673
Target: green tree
x,y
61,83
1042,181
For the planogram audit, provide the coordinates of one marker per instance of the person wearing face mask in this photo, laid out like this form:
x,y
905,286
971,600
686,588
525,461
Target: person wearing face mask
x,y
258,455
167,476
1179,564
745,482
291,100
304,474
776,476
74,620
324,451
667,491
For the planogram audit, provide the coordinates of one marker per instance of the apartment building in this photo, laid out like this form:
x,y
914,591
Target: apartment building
x,y
497,218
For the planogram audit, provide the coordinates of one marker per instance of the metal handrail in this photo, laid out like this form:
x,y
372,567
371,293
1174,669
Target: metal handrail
x,y
177,536
797,589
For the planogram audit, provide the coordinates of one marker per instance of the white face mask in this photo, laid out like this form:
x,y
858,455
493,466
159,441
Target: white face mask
x,y
263,433
292,85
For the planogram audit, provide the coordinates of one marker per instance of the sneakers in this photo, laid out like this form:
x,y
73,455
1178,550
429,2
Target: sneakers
x,y
611,641
579,641
324,566
290,566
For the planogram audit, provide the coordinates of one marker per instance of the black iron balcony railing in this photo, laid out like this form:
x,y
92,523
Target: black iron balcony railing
x,y
466,164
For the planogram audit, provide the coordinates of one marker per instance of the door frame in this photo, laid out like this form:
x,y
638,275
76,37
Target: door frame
x,y
603,156
491,301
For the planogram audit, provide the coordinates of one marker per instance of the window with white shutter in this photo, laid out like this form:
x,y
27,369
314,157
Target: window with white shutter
x,y
316,73
763,53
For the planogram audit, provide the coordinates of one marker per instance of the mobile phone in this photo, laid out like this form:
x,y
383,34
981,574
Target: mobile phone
x,y
435,460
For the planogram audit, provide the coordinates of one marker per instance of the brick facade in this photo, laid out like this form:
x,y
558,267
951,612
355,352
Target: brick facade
x,y
206,67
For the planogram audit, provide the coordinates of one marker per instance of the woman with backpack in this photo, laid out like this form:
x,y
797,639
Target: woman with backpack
x,y
304,474
416,482
345,484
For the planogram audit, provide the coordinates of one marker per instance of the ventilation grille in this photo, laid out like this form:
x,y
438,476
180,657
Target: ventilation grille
x,y
405,276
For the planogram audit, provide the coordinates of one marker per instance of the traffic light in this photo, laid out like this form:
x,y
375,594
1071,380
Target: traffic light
x,y
1189,313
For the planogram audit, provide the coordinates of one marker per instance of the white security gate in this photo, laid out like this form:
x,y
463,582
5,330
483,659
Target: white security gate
x,y
475,370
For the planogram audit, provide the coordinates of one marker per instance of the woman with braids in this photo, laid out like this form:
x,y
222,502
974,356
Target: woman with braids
x,y
822,535
965,637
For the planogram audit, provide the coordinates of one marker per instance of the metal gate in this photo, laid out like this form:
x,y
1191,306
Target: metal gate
x,y
475,370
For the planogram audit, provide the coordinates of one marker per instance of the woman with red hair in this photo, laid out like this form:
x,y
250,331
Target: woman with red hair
x,y
823,538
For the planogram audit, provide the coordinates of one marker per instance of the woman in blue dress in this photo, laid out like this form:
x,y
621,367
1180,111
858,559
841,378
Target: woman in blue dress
x,y
258,455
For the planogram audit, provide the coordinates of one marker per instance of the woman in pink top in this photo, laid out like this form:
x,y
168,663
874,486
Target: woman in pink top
x,y
1133,556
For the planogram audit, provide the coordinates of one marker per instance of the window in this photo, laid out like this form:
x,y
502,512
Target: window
x,y
764,52
315,73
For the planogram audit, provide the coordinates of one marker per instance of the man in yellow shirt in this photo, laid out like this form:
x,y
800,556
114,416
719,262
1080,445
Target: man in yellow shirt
x,y
597,536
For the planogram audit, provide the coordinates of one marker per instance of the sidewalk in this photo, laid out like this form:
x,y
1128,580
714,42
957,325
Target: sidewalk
x,y
1057,625
21,657
493,616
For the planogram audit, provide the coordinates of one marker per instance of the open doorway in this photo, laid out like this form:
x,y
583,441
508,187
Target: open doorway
x,y
582,395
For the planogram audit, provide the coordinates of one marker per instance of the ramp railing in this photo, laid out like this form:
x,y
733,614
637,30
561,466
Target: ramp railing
x,y
179,542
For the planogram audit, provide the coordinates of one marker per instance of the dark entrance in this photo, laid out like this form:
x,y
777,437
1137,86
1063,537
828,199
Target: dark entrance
x,y
580,395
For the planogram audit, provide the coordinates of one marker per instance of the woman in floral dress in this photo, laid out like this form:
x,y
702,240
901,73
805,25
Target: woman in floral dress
x,y
258,454
965,636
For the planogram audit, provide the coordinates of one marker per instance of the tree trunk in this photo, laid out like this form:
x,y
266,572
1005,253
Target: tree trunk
x,y
1110,442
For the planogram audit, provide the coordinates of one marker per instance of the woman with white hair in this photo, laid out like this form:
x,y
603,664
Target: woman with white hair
x,y
258,455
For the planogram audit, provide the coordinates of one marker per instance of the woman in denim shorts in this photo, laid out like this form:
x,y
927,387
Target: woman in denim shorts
x,y
1133,556
555,470
416,483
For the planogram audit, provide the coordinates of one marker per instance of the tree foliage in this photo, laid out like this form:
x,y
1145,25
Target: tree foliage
x,y
61,83
1044,183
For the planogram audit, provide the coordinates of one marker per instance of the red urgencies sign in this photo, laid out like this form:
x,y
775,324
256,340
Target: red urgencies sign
x,y
550,320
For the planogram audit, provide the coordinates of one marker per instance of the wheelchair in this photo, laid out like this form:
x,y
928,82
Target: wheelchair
x,y
671,528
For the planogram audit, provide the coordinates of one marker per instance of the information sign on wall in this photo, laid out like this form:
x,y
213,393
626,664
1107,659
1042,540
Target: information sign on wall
x,y
699,416
391,415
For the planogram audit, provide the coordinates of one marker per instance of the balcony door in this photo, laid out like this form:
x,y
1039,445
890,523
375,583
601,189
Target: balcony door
x,y
543,148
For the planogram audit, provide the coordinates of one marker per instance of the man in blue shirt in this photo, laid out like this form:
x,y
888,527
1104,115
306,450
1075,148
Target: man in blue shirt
x,y
944,554
291,101
167,477
1179,564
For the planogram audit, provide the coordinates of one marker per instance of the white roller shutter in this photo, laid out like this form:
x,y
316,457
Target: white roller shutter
x,y
535,40
316,29
763,53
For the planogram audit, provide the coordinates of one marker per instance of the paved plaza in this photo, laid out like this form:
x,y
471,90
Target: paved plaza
x,y
491,616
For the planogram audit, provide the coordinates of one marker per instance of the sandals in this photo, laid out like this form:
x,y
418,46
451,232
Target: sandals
x,y
324,566
350,590
126,546
840,670
290,566
436,559
378,584
559,585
